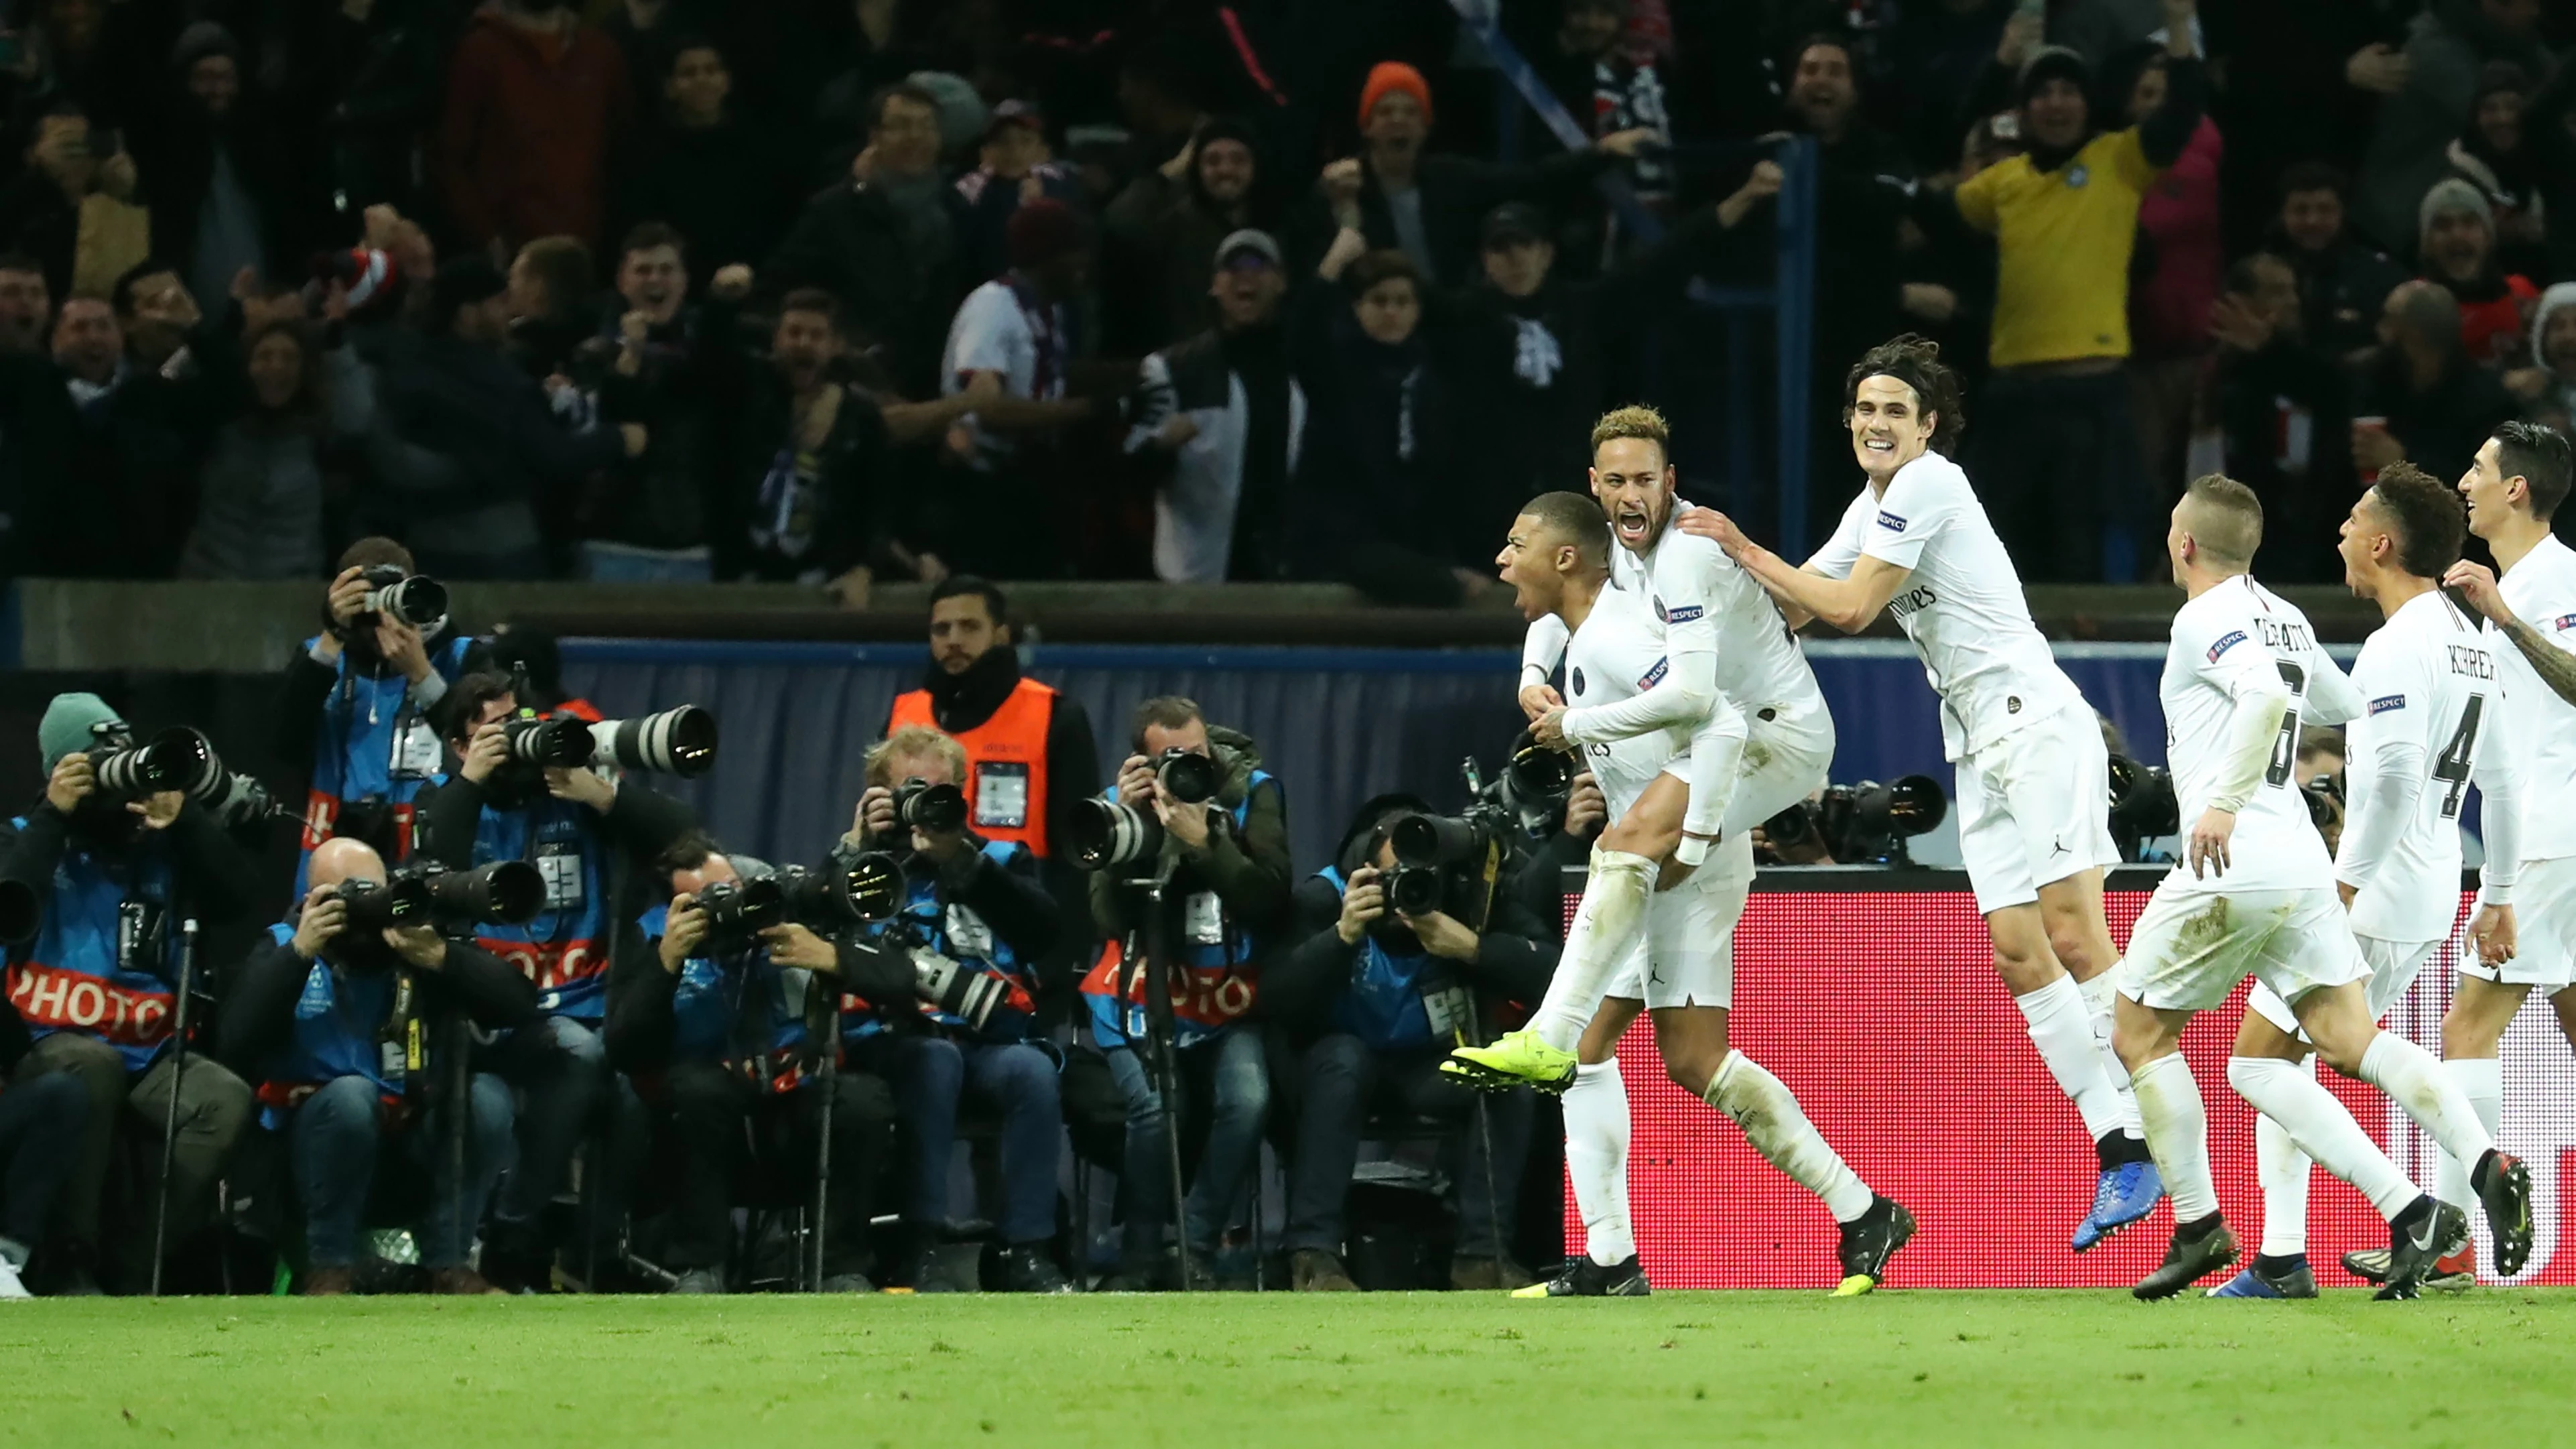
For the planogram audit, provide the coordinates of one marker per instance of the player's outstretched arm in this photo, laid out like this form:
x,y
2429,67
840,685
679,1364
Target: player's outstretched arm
x,y
1681,697
2332,697
1848,603
2555,666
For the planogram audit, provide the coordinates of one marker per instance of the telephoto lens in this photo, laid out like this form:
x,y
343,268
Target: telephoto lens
x,y
562,743
960,991
738,911
675,742
504,893
1105,833
418,600
938,809
175,759
1431,840
869,889
402,901
1188,779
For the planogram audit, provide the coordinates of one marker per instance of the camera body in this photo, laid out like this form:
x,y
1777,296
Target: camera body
x,y
414,599
1110,833
376,906
933,809
825,900
178,758
2143,806
548,742
1449,863
1867,823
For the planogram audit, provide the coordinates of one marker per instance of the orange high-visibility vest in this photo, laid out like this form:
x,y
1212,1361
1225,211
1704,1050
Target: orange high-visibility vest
x,y
1006,762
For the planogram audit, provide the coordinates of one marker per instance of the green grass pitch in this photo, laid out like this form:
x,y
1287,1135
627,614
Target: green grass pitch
x,y
1215,1371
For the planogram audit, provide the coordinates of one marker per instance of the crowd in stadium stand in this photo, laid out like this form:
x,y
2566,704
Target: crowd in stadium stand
x,y
835,291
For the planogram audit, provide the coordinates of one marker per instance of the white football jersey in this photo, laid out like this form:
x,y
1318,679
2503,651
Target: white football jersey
x,y
2240,636
1961,605
2427,677
1706,602
1619,654
2538,726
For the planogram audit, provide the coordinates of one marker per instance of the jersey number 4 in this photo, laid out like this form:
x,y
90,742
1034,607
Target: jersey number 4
x,y
2453,766
2285,750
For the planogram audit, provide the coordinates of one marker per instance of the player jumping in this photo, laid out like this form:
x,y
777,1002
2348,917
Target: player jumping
x,y
2033,776
2252,898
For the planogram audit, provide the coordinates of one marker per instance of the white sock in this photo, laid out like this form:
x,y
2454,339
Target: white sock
x,y
1596,1157
2282,1169
1605,928
2322,1129
2059,1028
2177,1132
2413,1078
2099,994
1777,1126
2481,1080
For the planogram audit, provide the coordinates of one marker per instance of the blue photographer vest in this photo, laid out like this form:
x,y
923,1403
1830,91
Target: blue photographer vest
x,y
373,746
1215,986
750,1020
106,955
340,1021
565,949
1399,1001
960,935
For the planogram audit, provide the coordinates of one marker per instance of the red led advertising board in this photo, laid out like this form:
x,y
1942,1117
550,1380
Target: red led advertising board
x,y
1882,1011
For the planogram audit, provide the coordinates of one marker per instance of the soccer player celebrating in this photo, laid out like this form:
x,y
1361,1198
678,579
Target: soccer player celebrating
x,y
1557,560
2033,776
2252,898
2425,732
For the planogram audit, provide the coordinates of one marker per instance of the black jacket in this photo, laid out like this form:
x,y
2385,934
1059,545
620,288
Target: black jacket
x,y
1249,869
851,242
257,1020
2260,397
1456,194
217,880
466,403
964,701
642,1023
2341,291
640,822
2443,426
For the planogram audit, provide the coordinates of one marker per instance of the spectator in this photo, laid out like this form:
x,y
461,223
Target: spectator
x,y
1014,165
26,306
978,903
2445,47
1355,996
113,880
2323,66
885,241
73,209
2064,216
1226,410
2175,278
308,1016
653,522
261,498
810,474
1610,86
2548,386
2457,251
155,310
2420,398
2508,145
1946,48
702,169
724,1025
2342,282
2282,405
212,173
1162,231
537,103
1428,207
1010,353
881,42
551,316
649,34
468,448
379,77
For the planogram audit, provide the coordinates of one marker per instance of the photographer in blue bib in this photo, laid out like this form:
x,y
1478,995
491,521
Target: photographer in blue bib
x,y
973,922
1395,962
356,699
725,1022
347,1017
527,788
1194,809
100,876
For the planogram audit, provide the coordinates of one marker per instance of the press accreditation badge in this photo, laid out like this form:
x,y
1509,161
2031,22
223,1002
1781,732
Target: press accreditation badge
x,y
1001,796
968,935
1447,1008
415,751
390,1062
559,861
1203,919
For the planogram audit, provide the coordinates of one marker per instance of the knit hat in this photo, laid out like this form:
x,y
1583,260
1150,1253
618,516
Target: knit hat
x,y
65,728
2451,194
202,39
1393,75
962,112
1226,128
2048,63
2560,297
1042,230
1250,239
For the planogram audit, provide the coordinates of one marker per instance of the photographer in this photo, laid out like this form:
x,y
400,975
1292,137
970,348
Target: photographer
x,y
577,827
113,880
1227,862
736,1029
356,703
347,1030
973,920
1370,999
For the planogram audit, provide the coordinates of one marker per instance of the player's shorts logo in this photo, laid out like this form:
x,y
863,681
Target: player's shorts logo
x,y
1890,521
2387,702
2234,638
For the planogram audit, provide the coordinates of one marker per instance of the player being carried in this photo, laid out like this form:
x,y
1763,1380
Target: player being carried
x,y
1618,655
2033,784
2254,896
2426,730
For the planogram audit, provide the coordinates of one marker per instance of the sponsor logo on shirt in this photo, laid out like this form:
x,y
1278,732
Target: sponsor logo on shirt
x,y
1911,601
1577,680
1655,675
2076,176
2387,702
2233,638
1890,521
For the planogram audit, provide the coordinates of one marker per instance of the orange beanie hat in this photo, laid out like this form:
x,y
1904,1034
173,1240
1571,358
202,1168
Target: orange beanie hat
x,y
1394,75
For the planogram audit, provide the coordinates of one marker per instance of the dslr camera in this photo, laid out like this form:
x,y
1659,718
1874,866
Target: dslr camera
x,y
823,900
678,742
1106,833
1449,863
178,758
942,983
414,599
505,893
933,809
1867,823
2143,806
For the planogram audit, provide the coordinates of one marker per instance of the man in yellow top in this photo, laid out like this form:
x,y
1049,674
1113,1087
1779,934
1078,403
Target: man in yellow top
x,y
2056,453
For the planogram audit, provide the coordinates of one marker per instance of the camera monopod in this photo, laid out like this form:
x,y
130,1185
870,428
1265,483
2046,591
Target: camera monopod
x,y
1165,1065
178,1080
828,1083
1485,1136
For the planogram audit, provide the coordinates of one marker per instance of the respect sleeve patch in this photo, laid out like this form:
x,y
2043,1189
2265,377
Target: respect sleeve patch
x,y
2234,638
2387,702
1890,521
